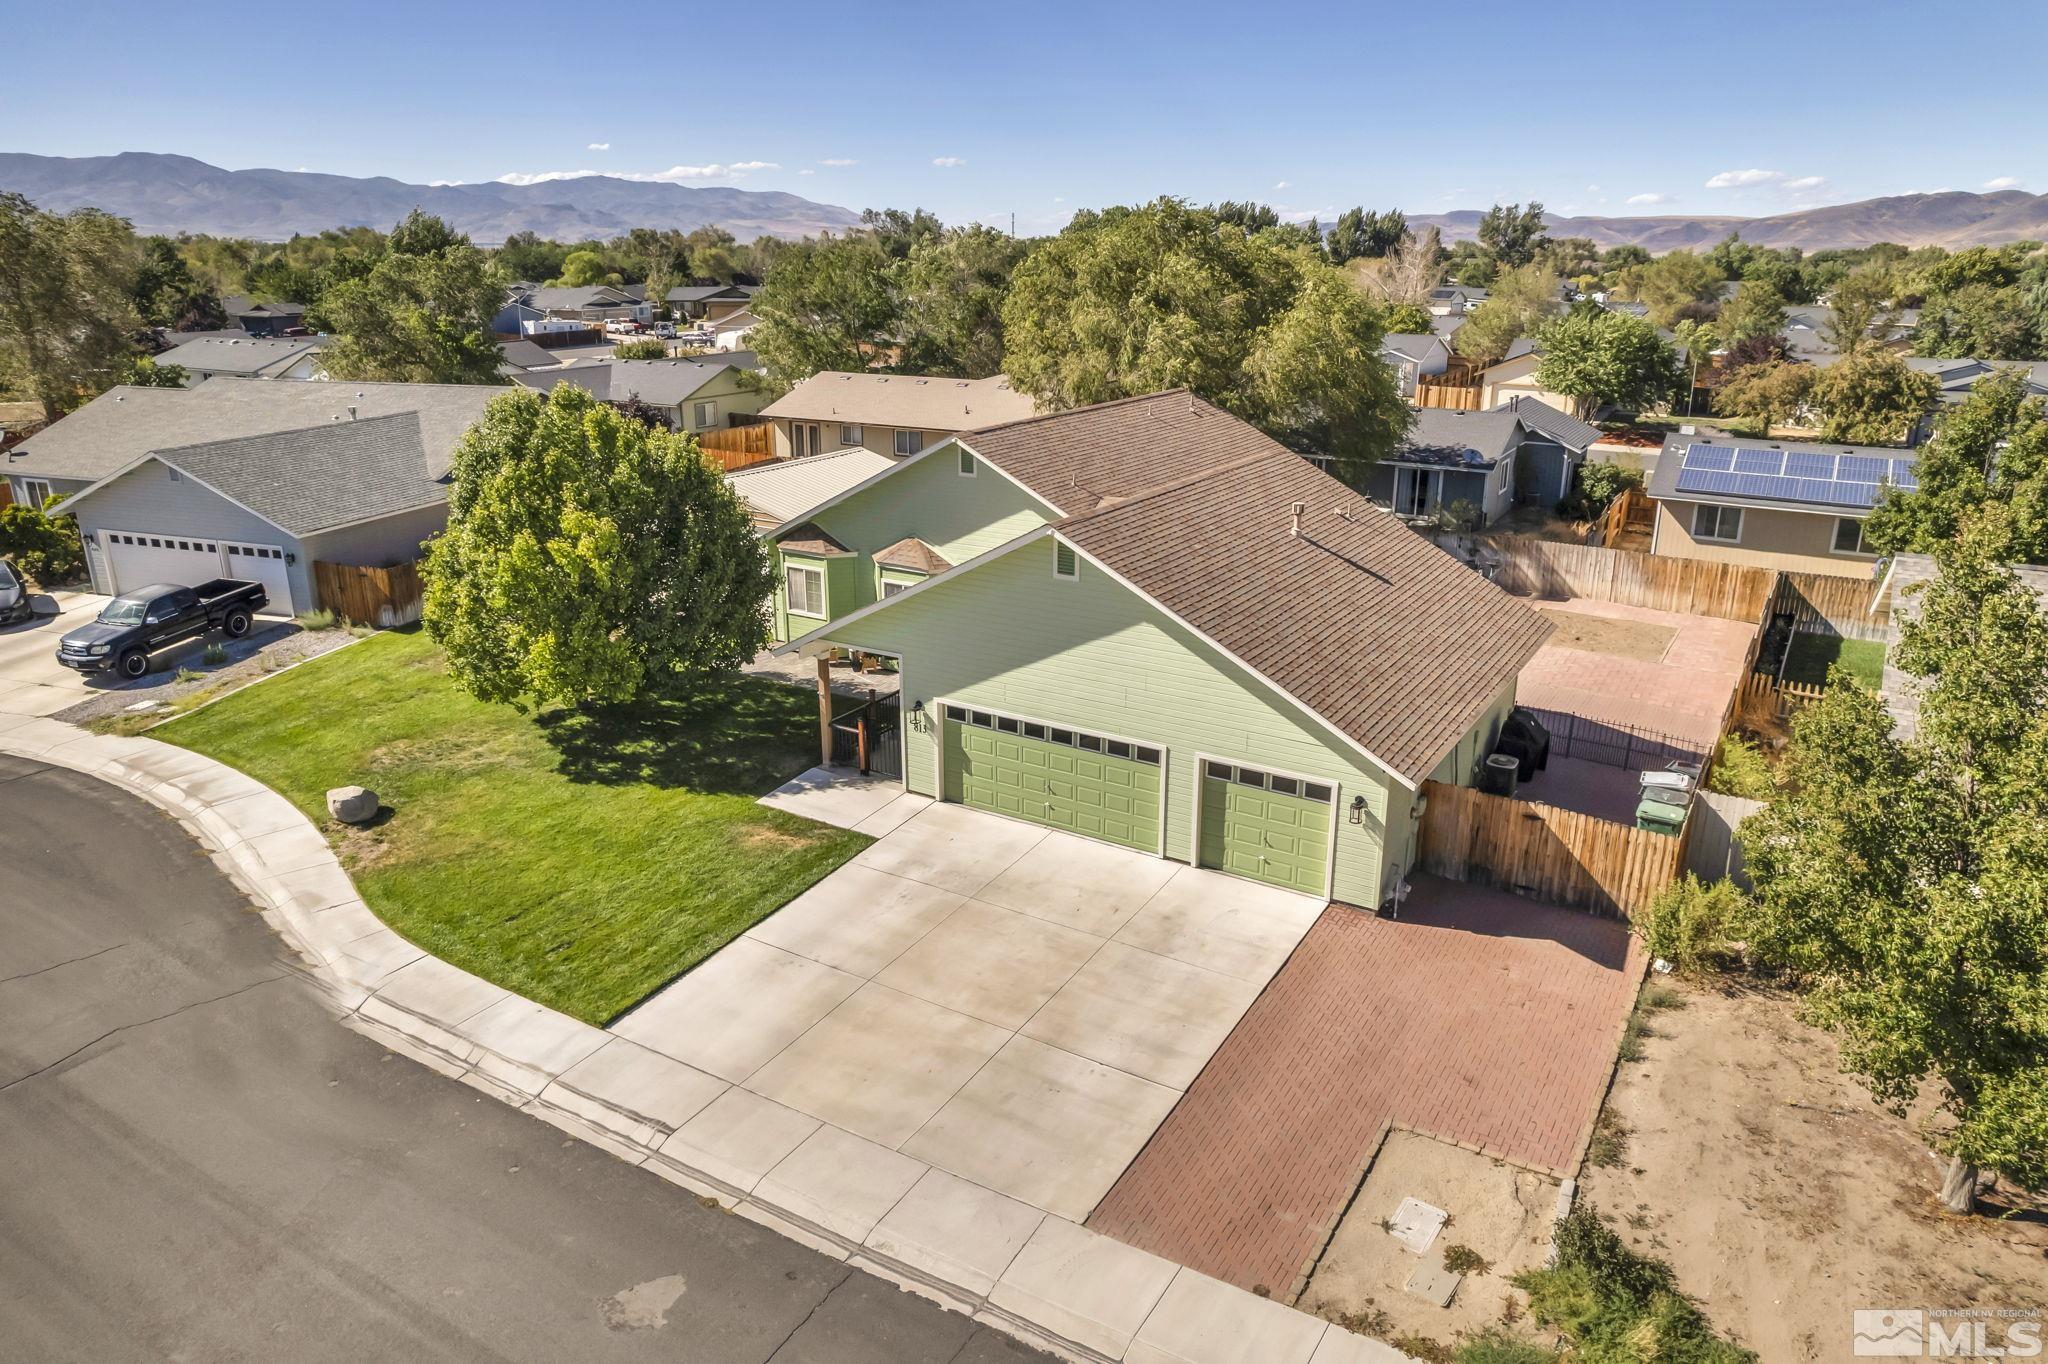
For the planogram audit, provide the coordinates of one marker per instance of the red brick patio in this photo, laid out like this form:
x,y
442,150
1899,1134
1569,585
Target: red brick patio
x,y
1479,1017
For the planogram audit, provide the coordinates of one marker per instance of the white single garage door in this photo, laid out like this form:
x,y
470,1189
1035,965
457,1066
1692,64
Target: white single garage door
x,y
138,559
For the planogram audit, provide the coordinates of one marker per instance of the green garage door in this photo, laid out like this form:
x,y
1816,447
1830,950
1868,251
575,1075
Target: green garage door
x,y
1266,826
1085,783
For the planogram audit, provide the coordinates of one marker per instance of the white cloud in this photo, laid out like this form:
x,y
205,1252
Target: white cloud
x,y
806,171
444,183
2003,182
839,161
1059,198
1643,200
1804,182
1744,179
599,147
674,175
949,161
1282,184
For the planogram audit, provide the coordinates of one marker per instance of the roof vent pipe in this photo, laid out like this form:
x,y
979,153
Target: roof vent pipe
x,y
351,411
1299,508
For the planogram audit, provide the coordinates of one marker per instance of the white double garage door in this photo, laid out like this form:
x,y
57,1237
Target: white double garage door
x,y
140,558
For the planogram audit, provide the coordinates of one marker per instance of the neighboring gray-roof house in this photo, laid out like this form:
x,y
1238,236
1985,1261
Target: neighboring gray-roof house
x,y
528,307
710,302
1522,451
1414,354
696,394
290,357
522,355
251,480
262,319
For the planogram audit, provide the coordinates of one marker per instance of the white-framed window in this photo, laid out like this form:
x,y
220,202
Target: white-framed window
x,y
1849,536
909,442
967,465
35,491
892,588
704,414
850,436
1065,563
806,590
803,439
1711,521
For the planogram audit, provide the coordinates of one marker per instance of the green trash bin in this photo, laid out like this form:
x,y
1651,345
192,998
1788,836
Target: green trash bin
x,y
1657,812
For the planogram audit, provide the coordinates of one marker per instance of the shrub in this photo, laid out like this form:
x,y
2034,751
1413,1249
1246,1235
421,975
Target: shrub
x,y
652,348
44,547
1616,1305
1495,1346
323,619
215,654
1741,769
1599,483
1690,923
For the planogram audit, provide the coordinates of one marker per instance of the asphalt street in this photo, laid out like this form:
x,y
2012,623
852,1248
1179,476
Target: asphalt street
x,y
198,1163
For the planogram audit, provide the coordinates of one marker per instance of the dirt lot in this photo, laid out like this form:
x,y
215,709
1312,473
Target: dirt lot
x,y
1782,1195
1498,1212
1636,639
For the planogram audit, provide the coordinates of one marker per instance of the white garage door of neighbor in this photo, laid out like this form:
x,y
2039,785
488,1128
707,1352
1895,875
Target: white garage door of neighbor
x,y
138,559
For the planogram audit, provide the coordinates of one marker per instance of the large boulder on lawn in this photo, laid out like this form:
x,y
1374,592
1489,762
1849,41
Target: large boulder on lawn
x,y
352,804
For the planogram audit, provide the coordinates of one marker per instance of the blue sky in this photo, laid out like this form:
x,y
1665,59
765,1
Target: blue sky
x,y
979,111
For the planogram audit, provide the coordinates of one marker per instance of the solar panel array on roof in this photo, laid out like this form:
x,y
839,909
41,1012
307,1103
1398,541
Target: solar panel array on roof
x,y
1828,480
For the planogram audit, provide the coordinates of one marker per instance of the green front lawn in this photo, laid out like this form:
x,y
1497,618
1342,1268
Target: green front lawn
x,y
583,860
1812,655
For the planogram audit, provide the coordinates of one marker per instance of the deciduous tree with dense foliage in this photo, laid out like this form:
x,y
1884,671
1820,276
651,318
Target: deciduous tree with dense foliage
x,y
1163,296
590,559
1860,307
1598,358
1991,448
829,303
1773,393
1519,304
1905,880
952,288
1511,235
67,315
1870,397
421,315
1679,285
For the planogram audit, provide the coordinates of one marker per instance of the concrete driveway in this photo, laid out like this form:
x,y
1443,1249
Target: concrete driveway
x,y
32,681
1017,1006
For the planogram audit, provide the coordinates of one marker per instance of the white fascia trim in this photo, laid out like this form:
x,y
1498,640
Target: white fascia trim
x,y
817,636
1381,763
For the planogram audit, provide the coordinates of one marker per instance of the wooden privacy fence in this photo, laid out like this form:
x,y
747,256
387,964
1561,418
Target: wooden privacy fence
x,y
382,597
1558,856
1632,509
1713,848
737,447
1463,397
1695,587
1826,604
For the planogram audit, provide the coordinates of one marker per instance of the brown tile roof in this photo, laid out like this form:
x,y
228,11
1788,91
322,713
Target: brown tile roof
x,y
1372,627
810,538
1081,459
914,554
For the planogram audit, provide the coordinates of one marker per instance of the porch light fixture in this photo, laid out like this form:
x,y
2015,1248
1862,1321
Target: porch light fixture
x,y
1358,809
917,714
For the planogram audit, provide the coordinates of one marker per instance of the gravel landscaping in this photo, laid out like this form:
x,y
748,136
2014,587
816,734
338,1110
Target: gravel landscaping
x,y
182,679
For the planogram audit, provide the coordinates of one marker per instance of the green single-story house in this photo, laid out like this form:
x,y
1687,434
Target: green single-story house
x,y
1241,664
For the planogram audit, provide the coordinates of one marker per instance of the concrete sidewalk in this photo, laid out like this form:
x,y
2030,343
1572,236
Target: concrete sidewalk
x,y
1038,1276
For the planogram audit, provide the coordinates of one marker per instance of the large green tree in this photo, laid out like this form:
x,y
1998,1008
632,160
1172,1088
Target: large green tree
x,y
68,323
829,304
1511,235
1905,880
1599,358
590,559
1756,311
1770,393
1137,300
1679,285
1870,397
166,293
1991,448
418,316
951,290
1520,303
1860,308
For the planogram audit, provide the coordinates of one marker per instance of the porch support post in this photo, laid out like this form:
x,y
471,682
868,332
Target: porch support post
x,y
824,710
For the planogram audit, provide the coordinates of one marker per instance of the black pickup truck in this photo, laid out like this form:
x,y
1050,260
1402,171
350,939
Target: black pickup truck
x,y
133,625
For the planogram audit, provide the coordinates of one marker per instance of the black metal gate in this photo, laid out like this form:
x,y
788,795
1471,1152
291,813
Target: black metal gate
x,y
870,737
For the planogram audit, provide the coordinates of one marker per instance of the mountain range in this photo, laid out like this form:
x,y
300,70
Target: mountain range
x,y
1951,218
171,194
159,192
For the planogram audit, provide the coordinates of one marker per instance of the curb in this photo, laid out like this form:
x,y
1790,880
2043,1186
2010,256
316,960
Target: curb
x,y
1058,1286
